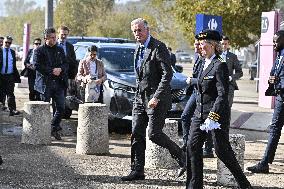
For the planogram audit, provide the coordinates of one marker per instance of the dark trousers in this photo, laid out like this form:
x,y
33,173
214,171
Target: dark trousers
x,y
55,90
186,121
274,133
33,95
155,122
223,150
7,89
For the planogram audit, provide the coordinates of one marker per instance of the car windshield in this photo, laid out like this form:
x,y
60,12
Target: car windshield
x,y
117,59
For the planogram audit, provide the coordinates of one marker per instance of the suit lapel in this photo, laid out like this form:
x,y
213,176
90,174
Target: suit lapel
x,y
147,52
207,70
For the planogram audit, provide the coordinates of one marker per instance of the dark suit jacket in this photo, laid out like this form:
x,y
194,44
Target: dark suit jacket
x,y
16,74
27,61
44,67
71,60
234,65
154,77
212,91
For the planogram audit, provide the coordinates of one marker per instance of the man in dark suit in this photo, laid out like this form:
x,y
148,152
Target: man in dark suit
x,y
63,32
51,77
234,66
276,88
211,114
152,99
173,57
30,69
9,75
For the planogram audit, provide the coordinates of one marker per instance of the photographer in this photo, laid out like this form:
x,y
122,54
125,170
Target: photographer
x,y
51,77
276,88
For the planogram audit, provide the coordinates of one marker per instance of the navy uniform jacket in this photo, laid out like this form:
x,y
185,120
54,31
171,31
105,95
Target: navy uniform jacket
x,y
16,74
212,92
234,65
153,77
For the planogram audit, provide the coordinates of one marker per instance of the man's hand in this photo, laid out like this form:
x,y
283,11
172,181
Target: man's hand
x,y
56,71
153,103
273,79
98,81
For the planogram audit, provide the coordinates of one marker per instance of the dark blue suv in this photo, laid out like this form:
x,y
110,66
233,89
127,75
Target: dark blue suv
x,y
119,88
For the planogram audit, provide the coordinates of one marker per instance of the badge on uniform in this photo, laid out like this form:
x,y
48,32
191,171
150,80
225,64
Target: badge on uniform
x,y
209,77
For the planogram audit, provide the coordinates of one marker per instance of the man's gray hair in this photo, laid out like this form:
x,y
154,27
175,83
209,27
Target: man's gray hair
x,y
138,21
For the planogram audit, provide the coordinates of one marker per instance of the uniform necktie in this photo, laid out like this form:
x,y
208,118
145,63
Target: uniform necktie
x,y
6,67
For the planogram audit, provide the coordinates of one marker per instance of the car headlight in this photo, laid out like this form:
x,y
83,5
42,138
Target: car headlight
x,y
118,86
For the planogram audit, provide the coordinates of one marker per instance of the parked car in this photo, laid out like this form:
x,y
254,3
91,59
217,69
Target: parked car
x,y
75,39
120,86
184,57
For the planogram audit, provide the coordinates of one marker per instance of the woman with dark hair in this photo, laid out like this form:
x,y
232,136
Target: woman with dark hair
x,y
211,114
91,73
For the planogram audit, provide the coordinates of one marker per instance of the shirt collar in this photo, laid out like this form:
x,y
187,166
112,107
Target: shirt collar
x,y
210,59
146,42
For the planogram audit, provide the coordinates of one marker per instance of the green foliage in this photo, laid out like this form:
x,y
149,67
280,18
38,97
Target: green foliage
x,y
241,18
79,14
14,25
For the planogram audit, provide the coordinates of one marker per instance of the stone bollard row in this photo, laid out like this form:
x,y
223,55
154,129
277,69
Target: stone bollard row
x,y
158,157
36,123
224,176
92,131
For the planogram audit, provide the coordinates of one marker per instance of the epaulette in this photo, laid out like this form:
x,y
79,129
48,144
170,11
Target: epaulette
x,y
221,59
214,116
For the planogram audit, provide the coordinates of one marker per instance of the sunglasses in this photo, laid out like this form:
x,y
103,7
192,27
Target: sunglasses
x,y
37,43
7,42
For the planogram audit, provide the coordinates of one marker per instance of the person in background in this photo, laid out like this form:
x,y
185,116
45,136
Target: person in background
x,y
173,57
276,88
31,73
1,41
152,99
63,32
9,75
234,66
51,77
211,114
3,97
91,73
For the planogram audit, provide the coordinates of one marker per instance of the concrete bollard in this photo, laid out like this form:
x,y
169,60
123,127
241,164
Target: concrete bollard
x,y
224,176
36,123
158,157
92,131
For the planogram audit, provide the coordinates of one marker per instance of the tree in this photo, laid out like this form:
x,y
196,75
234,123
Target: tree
x,y
14,25
18,7
241,18
78,14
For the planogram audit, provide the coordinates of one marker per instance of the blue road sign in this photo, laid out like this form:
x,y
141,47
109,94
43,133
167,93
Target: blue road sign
x,y
212,22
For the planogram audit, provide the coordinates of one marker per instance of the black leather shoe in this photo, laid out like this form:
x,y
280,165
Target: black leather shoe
x,y
181,171
134,175
14,112
208,154
56,135
259,168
